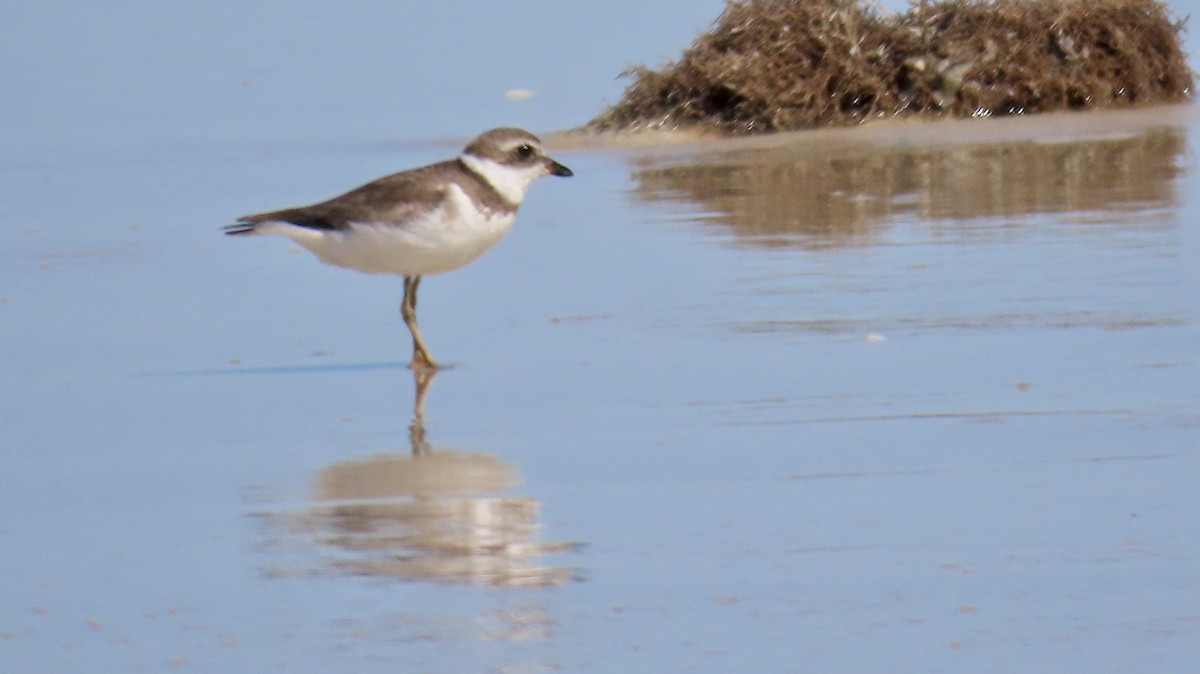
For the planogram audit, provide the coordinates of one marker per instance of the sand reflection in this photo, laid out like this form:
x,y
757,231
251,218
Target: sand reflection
x,y
429,515
822,190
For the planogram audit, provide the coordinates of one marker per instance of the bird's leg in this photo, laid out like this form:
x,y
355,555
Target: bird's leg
x,y
408,311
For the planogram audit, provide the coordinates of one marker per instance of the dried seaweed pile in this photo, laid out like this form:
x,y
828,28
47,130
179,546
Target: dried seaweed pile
x,y
775,65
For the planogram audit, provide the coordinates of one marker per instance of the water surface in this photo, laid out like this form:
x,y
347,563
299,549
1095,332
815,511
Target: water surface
x,y
913,397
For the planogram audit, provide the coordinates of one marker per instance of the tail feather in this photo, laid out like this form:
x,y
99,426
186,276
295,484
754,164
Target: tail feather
x,y
311,217
242,227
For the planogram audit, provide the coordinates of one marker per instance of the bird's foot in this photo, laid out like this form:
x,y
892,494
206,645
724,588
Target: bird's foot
x,y
422,362
423,365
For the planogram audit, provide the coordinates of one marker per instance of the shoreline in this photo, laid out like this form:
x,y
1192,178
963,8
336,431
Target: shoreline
x,y
1047,127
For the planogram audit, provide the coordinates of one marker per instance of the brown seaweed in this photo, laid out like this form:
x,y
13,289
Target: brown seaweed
x,y
775,65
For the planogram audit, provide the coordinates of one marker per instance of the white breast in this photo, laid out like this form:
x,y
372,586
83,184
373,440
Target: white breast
x,y
440,240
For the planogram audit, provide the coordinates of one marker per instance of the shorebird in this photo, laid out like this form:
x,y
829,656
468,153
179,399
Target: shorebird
x,y
426,220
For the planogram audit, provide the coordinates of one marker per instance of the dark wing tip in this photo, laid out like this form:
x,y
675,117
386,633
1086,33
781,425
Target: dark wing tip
x,y
241,227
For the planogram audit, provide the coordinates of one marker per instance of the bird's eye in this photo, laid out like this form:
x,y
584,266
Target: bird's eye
x,y
525,151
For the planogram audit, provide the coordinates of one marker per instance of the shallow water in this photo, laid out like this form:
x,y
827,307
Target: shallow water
x,y
901,398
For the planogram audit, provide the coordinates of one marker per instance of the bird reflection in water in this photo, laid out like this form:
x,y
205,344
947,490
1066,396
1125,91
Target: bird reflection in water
x,y
426,515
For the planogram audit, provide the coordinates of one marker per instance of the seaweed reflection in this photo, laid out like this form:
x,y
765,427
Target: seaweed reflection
x,y
424,515
813,193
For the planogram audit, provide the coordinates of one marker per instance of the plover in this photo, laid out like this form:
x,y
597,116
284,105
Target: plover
x,y
422,221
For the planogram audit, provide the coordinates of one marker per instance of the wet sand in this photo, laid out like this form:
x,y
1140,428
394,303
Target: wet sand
x,y
912,397
905,397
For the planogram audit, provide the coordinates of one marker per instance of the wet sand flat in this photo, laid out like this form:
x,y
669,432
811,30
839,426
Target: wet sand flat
x,y
924,399
906,397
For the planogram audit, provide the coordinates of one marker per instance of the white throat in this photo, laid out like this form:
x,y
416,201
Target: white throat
x,y
510,182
